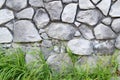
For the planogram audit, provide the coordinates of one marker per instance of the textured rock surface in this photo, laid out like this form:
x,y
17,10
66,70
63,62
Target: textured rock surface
x,y
85,4
31,58
104,47
6,15
116,25
41,18
69,13
104,32
86,32
104,6
115,9
77,34
1,3
16,4
80,46
25,31
54,9
107,20
86,16
59,62
10,25
61,31
36,3
117,43
25,14
5,35
86,61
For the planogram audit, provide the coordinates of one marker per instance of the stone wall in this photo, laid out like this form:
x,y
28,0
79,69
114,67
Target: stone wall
x,y
85,26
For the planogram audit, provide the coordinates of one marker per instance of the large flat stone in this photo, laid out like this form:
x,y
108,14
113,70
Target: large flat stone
x,y
117,43
69,13
85,4
27,13
54,9
25,31
6,15
5,35
61,31
41,18
102,31
116,25
87,15
86,32
104,47
104,6
80,46
115,9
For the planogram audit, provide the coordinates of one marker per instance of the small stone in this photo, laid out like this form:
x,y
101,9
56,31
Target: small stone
x,y
69,13
41,18
77,23
102,31
77,34
57,49
61,31
104,47
44,36
117,42
86,32
104,6
46,43
115,9
80,46
2,3
6,15
25,31
116,25
5,35
107,20
36,3
95,1
25,14
16,4
41,31
87,15
85,4
54,9
10,25
59,62
8,45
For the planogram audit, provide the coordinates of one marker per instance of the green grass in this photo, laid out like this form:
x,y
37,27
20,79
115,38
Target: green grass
x,y
14,67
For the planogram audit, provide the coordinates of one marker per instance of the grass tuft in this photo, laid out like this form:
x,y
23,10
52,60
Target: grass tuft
x,y
13,67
